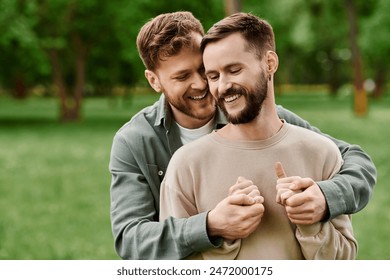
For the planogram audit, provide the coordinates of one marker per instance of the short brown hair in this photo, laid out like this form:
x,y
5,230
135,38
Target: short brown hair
x,y
165,36
257,32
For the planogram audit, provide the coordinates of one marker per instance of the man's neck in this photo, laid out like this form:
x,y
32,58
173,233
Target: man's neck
x,y
263,127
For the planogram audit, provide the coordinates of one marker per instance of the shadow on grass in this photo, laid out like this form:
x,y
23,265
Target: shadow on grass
x,y
8,124
27,122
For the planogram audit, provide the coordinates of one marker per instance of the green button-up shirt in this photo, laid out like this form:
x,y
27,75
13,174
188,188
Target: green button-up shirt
x,y
140,154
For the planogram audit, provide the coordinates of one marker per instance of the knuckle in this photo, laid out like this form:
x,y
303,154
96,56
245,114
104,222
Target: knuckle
x,y
249,182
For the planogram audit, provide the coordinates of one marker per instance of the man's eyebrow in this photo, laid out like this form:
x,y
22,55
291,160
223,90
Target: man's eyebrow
x,y
180,72
210,71
232,64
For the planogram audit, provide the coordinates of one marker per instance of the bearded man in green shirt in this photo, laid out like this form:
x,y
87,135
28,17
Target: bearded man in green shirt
x,y
169,46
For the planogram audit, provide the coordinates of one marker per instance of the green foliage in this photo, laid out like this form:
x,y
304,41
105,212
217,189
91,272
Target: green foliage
x,y
311,38
375,39
306,39
21,58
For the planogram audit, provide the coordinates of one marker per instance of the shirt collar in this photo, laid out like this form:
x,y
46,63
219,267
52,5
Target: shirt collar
x,y
164,115
220,119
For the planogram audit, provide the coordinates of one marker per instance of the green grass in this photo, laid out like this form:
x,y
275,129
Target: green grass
x,y
54,179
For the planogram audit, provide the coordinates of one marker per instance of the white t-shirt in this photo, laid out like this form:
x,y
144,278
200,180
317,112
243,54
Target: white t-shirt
x,y
188,135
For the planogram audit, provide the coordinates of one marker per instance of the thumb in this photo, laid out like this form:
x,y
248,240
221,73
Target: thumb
x,y
280,173
240,179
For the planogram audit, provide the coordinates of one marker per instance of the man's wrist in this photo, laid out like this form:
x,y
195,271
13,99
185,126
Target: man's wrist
x,y
212,233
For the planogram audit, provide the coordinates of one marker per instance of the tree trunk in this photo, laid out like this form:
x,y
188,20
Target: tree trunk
x,y
380,82
334,81
360,102
80,70
20,88
70,97
61,87
232,7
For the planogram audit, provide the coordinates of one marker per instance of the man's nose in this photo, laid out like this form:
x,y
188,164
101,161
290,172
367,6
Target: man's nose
x,y
199,82
223,85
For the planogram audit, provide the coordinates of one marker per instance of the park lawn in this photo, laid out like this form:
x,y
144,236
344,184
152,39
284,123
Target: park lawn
x,y
54,179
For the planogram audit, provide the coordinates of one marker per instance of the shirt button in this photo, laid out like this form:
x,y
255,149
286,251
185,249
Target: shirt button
x,y
160,173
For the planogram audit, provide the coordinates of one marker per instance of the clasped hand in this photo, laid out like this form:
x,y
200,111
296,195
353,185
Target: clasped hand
x,y
303,199
239,214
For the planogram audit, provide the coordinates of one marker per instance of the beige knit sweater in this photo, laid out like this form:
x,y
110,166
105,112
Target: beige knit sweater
x,y
200,174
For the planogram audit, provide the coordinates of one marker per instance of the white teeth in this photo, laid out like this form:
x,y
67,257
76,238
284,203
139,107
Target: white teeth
x,y
232,97
198,97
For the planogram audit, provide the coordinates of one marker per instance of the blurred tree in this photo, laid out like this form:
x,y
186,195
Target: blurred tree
x,y
312,39
375,42
331,50
360,96
68,30
84,41
92,42
23,63
295,41
232,6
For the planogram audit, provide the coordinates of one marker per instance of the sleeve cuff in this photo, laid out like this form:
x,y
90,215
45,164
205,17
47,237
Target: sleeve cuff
x,y
333,197
196,234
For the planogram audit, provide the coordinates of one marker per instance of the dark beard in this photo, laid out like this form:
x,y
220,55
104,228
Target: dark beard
x,y
254,102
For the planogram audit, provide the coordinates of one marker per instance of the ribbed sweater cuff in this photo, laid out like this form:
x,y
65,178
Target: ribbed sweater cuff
x,y
310,230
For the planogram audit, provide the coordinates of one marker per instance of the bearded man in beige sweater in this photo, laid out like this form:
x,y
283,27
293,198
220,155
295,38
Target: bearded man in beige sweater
x,y
240,63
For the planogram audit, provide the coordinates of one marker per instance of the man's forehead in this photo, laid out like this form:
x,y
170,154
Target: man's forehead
x,y
234,41
233,44
186,60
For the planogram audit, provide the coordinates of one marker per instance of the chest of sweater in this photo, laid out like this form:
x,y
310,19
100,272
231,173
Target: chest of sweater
x,y
215,175
275,236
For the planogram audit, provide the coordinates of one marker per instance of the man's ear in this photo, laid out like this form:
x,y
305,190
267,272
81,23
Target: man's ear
x,y
272,62
153,80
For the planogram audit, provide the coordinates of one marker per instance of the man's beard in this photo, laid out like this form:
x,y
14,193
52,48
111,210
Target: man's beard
x,y
254,101
186,108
